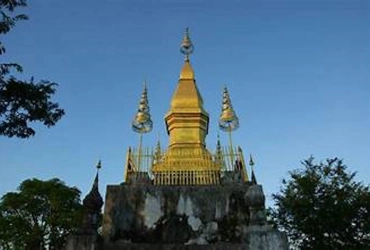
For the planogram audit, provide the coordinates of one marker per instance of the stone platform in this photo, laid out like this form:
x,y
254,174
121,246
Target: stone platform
x,y
175,214
144,216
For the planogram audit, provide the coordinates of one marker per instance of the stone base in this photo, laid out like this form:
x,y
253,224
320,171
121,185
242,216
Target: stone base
x,y
144,213
255,238
143,216
265,238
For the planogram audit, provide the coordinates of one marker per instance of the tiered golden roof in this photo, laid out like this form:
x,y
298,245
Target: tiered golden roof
x,y
187,121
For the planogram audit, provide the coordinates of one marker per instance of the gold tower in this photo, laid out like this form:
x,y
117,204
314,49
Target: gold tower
x,y
186,161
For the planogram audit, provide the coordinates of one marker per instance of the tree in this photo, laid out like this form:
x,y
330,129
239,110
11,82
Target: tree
x,y
322,207
22,102
40,215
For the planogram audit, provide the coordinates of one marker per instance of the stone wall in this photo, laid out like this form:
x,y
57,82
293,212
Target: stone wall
x,y
140,216
144,213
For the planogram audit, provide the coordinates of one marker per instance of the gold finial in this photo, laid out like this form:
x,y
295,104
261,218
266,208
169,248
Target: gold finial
x,y
142,122
228,120
186,46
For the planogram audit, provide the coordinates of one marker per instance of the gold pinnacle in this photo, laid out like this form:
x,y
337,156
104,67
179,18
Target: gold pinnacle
x,y
186,46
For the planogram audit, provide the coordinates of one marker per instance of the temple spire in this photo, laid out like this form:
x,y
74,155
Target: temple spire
x,y
228,120
251,164
92,204
142,122
96,180
95,187
187,121
186,46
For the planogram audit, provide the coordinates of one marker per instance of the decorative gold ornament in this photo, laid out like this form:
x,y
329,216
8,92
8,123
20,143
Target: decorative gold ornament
x,y
186,46
228,120
142,122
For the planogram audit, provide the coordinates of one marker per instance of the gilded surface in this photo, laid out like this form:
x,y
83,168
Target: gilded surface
x,y
187,121
187,161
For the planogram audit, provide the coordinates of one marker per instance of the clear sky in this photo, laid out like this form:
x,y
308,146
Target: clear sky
x,y
297,72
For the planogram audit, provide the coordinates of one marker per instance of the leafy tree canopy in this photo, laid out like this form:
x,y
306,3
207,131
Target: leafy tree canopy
x,y
39,216
322,207
22,102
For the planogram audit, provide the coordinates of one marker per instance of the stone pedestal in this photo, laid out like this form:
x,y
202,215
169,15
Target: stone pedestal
x,y
265,238
227,216
143,213
142,216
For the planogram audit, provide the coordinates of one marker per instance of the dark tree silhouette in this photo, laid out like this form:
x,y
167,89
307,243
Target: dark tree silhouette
x,y
22,102
322,207
39,216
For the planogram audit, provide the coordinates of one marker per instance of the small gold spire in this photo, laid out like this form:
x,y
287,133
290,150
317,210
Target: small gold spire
x,y
142,122
187,120
228,120
186,46
187,72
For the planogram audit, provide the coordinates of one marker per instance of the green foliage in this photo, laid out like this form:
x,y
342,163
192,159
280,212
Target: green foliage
x,y
22,102
40,215
322,207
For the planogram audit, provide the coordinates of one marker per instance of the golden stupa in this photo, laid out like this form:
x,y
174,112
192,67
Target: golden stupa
x,y
186,161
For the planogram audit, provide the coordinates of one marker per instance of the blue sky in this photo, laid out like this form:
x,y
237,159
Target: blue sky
x,y
297,72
